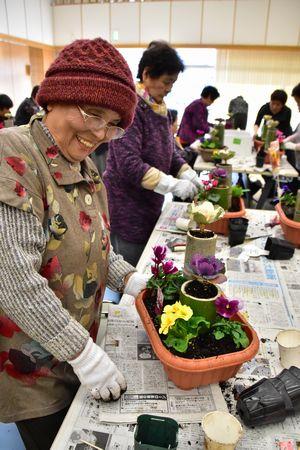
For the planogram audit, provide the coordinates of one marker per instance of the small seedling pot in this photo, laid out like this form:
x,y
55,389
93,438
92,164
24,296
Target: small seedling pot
x,y
155,433
289,347
222,431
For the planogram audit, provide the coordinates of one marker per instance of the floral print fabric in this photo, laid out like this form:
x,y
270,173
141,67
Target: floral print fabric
x,y
70,202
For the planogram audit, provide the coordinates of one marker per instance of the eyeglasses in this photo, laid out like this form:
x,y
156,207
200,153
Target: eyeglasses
x,y
96,123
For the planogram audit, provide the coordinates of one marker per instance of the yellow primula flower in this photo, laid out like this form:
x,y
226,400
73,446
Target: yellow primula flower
x,y
167,321
180,311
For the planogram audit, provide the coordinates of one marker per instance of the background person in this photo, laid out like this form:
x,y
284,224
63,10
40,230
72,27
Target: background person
x,y
277,109
55,249
142,166
27,108
238,110
195,116
292,143
5,105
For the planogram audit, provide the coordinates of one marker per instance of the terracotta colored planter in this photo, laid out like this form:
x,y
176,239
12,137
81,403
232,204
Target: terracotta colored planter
x,y
222,225
190,373
290,228
206,154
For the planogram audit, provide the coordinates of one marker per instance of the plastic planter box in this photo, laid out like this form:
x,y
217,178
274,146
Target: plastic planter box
x,y
189,373
222,226
290,228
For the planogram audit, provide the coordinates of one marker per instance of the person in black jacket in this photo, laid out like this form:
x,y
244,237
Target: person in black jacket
x,y
27,108
5,105
277,109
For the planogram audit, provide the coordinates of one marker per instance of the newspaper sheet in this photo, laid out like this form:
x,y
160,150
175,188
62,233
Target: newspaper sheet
x,y
270,291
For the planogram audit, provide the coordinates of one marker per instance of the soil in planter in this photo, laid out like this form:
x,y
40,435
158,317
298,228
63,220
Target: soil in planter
x,y
202,234
288,211
201,290
203,346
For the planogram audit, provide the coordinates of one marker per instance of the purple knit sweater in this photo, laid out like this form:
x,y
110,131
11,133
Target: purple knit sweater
x,y
193,119
148,142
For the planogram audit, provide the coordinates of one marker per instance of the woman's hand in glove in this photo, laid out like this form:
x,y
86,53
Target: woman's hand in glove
x,y
97,372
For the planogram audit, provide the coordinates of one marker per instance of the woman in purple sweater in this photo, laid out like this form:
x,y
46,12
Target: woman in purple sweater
x,y
142,166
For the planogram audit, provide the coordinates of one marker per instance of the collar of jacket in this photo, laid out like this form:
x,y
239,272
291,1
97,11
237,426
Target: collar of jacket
x,y
63,171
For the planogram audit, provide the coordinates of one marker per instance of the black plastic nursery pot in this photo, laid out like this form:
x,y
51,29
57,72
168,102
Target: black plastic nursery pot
x,y
237,231
155,433
260,159
279,248
271,400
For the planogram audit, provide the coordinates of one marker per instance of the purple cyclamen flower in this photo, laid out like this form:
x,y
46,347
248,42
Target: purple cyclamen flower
x,y
227,308
285,189
220,173
206,266
168,268
160,252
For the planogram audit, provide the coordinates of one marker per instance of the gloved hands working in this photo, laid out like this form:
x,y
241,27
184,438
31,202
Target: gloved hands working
x,y
136,283
183,189
97,372
290,145
192,176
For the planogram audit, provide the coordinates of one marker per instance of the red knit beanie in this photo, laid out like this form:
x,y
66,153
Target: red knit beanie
x,y
90,72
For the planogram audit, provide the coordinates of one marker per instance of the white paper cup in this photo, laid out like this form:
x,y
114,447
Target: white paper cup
x,y
222,431
289,347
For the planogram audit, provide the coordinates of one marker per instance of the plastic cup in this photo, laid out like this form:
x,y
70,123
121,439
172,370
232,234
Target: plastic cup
x,y
222,431
289,347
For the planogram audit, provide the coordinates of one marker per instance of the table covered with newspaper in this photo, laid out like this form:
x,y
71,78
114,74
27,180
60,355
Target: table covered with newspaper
x,y
270,291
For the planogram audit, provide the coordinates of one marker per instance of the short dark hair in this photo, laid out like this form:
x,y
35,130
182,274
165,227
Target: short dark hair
x,y
5,101
173,115
160,59
280,96
210,91
296,91
34,91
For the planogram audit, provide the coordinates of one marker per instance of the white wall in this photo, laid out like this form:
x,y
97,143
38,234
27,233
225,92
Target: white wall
x,y
211,22
27,19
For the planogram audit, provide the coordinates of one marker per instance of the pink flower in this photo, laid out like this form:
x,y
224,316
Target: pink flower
x,y
227,308
168,268
58,175
160,252
215,183
155,271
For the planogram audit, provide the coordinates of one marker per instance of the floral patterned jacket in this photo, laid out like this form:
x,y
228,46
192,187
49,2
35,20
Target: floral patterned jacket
x,y
53,293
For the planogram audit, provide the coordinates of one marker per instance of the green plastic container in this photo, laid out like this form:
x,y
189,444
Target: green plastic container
x,y
155,433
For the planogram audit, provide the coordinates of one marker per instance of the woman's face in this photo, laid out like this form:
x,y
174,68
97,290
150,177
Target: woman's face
x,y
72,132
276,106
159,87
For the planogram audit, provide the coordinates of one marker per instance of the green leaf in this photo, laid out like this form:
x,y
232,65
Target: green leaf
x,y
218,334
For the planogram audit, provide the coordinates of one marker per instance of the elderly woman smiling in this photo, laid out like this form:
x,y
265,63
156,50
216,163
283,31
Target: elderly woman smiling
x,y
55,248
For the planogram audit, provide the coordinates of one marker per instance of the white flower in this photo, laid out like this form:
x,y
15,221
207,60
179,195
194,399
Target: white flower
x,y
205,212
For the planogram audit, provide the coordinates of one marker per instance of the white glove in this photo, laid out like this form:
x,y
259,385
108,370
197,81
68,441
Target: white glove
x,y
96,371
136,283
192,176
290,146
181,188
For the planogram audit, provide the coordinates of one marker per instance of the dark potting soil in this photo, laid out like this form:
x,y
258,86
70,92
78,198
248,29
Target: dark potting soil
x,y
201,290
203,346
235,204
202,234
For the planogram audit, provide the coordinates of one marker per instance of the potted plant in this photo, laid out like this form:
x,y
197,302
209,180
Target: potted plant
x,y
262,144
212,141
193,350
224,155
200,292
286,212
201,240
237,210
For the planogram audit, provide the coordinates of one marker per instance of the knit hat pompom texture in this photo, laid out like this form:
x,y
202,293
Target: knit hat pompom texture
x,y
90,72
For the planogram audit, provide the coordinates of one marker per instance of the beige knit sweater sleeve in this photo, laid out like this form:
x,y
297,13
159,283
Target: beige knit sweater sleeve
x,y
25,296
